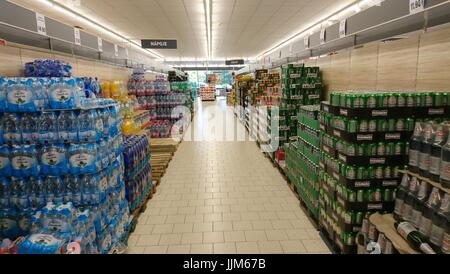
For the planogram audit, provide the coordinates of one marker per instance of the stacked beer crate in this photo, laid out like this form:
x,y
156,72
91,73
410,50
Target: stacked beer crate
x,y
364,145
302,158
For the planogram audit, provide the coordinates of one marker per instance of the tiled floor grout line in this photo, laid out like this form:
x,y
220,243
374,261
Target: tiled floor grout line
x,y
217,192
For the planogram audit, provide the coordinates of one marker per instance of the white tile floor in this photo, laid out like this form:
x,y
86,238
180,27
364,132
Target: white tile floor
x,y
223,197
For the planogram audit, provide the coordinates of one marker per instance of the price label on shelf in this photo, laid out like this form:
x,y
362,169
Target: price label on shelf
x,y
100,44
306,41
40,22
343,28
322,36
77,35
416,6
116,50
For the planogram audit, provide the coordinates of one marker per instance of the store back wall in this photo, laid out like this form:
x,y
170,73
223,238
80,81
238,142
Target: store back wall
x,y
13,59
420,62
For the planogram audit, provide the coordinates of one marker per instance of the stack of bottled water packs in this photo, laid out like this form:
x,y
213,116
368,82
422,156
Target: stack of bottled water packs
x,y
62,228
48,68
59,147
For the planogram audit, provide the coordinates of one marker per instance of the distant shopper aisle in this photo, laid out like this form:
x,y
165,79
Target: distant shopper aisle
x,y
223,197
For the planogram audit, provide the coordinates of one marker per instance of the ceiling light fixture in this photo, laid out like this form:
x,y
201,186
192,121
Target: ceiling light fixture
x,y
306,30
208,21
61,8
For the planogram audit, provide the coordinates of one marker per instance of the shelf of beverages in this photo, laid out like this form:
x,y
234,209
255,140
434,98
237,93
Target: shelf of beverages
x,y
61,166
363,150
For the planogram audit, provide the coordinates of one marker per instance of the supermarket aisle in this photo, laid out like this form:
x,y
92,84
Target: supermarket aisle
x,y
223,197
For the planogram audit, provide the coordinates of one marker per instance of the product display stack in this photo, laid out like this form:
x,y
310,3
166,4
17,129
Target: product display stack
x,y
364,148
138,175
267,87
300,86
185,89
62,184
242,88
421,219
302,158
164,104
208,93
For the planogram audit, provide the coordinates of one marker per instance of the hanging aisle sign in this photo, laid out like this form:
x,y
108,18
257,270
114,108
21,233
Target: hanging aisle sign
x,y
234,62
77,35
116,50
322,36
343,28
127,53
100,44
159,44
416,6
40,22
306,41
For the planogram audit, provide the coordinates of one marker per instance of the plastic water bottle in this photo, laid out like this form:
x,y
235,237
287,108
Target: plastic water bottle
x,y
11,128
5,163
73,190
4,193
29,126
67,127
84,159
2,94
86,126
54,189
105,114
24,161
37,193
19,191
40,93
90,189
99,127
104,153
54,160
19,96
102,185
48,131
63,94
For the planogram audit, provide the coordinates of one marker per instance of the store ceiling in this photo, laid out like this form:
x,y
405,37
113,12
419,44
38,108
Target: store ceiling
x,y
240,28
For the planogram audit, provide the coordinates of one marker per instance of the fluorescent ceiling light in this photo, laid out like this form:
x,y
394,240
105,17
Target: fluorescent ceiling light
x,y
66,10
345,12
208,21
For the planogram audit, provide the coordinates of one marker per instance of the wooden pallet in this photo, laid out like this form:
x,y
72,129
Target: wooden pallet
x,y
164,145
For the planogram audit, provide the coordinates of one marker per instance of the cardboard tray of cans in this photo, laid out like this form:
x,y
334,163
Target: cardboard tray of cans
x,y
364,183
366,137
365,206
373,160
387,112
